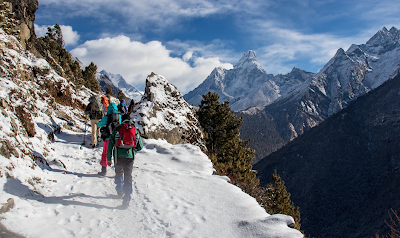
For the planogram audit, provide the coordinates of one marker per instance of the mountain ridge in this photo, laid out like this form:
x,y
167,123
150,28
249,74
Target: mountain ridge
x,y
347,75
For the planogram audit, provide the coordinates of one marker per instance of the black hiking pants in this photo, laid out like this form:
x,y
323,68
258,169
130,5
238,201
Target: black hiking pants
x,y
123,177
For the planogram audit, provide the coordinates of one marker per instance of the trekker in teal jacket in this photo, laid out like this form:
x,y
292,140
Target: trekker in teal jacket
x,y
123,164
114,119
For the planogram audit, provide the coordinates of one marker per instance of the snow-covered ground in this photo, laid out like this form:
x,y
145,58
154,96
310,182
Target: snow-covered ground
x,y
175,195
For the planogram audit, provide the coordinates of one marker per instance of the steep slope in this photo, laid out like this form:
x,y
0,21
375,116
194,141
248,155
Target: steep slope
x,y
344,78
117,82
247,84
346,167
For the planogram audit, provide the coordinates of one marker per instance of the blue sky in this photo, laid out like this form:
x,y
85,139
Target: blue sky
x,y
185,40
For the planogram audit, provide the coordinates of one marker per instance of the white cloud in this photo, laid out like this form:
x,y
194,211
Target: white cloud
x,y
187,56
70,36
135,61
40,31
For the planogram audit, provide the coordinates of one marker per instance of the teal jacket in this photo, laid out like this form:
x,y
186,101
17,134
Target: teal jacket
x,y
112,108
123,153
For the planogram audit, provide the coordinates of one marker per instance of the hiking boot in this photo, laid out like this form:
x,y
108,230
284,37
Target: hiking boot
x,y
120,194
92,145
103,171
125,204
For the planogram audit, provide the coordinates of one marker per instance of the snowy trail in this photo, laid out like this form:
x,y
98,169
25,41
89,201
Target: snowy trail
x,y
174,195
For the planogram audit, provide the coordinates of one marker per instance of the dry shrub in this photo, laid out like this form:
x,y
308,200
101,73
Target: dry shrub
x,y
15,95
7,149
58,92
394,225
40,72
25,118
26,75
61,94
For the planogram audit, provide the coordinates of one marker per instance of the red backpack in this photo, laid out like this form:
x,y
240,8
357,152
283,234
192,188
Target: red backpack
x,y
128,138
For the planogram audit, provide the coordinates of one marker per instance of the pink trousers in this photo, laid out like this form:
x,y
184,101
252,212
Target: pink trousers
x,y
103,161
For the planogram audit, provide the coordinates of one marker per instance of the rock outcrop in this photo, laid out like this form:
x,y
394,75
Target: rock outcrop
x,y
25,13
163,113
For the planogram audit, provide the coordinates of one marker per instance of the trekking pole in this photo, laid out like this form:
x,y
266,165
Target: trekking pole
x,y
84,135
115,156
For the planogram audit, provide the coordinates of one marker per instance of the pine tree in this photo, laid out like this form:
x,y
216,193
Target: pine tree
x,y
277,200
229,154
89,77
231,157
219,122
121,95
109,91
7,19
55,35
52,47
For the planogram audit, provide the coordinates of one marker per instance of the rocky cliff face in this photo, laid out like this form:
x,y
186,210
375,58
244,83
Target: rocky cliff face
x,y
25,13
163,113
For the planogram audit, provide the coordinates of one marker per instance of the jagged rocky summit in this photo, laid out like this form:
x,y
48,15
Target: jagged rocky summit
x,y
247,84
163,113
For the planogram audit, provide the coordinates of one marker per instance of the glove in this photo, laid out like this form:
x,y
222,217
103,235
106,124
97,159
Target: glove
x,y
109,162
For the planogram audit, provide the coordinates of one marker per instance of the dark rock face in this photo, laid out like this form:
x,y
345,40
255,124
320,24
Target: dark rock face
x,y
163,113
344,173
25,13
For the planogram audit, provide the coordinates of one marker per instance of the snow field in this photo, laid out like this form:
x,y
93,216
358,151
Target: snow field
x,y
174,195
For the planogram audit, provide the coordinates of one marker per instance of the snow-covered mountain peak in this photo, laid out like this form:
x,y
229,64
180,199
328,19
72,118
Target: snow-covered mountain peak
x,y
384,40
394,30
248,60
115,78
340,52
117,82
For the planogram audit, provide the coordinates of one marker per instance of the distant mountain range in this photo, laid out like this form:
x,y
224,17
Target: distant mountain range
x,y
278,108
117,83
